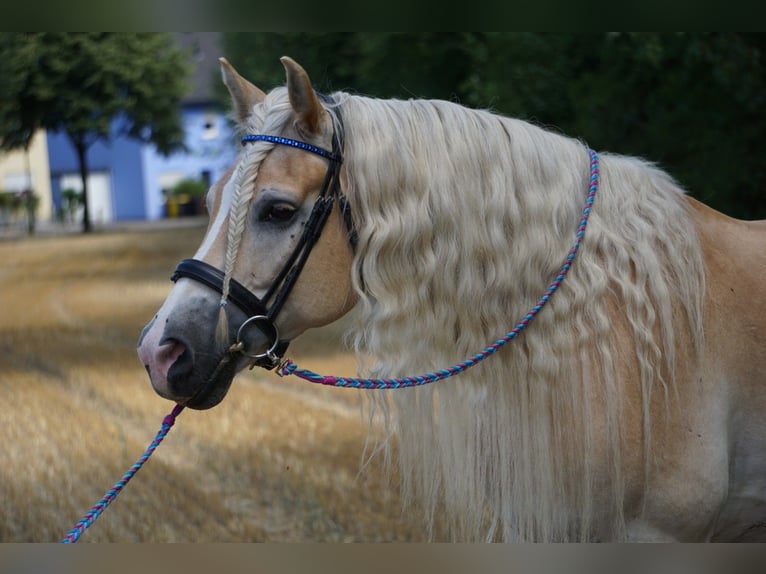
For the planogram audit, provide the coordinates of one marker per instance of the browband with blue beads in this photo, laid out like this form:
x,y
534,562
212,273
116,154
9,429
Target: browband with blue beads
x,y
293,143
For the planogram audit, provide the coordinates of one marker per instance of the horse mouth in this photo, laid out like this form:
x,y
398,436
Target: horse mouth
x,y
215,387
189,381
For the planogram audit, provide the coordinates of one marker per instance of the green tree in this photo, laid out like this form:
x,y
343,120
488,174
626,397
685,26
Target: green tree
x,y
692,102
91,86
381,64
330,57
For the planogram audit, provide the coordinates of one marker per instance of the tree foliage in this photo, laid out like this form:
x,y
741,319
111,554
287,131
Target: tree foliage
x,y
88,84
692,102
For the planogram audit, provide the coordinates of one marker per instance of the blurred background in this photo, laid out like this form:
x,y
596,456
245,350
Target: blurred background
x,y
104,127
695,103
108,141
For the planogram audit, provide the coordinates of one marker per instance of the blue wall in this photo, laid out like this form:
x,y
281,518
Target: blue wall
x,y
136,170
211,149
120,158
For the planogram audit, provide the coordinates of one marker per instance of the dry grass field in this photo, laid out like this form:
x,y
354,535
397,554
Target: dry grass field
x,y
278,460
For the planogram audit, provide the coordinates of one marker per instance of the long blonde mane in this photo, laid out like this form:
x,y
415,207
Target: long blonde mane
x,y
464,217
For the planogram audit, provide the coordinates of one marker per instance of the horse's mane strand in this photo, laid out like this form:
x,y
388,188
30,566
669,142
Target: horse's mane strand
x,y
464,217
266,117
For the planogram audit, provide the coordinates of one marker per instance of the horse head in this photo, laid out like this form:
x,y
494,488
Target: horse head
x,y
251,287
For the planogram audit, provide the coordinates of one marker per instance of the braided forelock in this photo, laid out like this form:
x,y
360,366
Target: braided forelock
x,y
269,117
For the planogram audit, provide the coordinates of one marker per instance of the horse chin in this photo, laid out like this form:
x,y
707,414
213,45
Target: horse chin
x,y
197,390
214,389
210,395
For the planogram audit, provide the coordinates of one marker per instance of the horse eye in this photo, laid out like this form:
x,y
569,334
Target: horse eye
x,y
278,213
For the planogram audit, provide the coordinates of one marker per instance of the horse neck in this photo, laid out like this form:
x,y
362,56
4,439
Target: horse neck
x,y
456,208
455,157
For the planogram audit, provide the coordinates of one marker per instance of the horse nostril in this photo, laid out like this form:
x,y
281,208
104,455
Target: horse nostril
x,y
170,351
177,360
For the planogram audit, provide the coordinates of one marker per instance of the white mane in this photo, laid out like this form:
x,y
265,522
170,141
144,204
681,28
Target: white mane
x,y
464,217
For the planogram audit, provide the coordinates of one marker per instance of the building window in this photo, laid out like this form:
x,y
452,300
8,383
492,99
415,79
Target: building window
x,y
209,127
17,182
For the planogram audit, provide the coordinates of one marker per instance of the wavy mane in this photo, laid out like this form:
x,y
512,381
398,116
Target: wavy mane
x,y
464,217
611,417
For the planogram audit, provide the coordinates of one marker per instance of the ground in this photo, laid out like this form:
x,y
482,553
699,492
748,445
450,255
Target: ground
x,y
278,460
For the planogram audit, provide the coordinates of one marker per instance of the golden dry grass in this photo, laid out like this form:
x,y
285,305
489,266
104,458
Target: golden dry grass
x,y
278,460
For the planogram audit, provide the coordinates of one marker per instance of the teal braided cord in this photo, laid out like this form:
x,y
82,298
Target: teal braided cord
x,y
288,367
97,509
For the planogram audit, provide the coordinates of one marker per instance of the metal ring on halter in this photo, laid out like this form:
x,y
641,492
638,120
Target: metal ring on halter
x,y
269,354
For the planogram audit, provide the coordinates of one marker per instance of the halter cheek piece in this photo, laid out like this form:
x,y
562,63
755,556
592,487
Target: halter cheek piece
x,y
260,313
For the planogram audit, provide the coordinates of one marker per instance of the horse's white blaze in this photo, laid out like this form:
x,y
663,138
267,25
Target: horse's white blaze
x,y
216,233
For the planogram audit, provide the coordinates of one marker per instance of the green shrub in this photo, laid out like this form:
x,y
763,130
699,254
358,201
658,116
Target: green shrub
x,y
189,187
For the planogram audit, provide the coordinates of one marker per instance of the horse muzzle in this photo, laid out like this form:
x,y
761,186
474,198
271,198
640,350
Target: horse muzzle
x,y
259,318
185,361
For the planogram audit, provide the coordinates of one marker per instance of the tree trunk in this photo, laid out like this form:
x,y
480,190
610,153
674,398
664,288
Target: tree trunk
x,y
29,193
82,150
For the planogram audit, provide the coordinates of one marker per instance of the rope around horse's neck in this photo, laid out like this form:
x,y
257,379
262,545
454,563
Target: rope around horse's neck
x,y
290,368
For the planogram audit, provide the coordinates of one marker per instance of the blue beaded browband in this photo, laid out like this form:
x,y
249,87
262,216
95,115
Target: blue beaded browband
x,y
292,143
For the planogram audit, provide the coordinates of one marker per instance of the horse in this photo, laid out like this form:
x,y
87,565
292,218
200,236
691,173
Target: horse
x,y
633,408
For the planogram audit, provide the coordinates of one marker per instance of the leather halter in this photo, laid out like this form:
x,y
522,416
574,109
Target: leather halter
x,y
262,312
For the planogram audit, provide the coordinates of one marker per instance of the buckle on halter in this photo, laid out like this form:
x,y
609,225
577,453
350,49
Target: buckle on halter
x,y
269,361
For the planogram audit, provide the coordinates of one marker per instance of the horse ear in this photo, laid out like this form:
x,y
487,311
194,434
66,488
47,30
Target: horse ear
x,y
303,98
244,95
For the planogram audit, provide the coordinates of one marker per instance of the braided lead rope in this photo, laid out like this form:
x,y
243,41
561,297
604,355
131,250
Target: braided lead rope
x,y
288,367
97,509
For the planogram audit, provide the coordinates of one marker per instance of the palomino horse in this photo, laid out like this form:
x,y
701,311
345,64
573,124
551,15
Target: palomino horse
x,y
632,408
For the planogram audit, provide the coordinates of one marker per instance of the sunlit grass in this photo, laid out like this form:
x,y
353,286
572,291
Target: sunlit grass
x,y
278,460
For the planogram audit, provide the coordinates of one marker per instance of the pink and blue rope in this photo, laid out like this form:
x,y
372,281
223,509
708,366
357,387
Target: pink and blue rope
x,y
290,368
97,509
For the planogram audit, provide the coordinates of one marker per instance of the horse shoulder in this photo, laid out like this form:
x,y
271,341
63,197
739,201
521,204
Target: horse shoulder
x,y
734,357
735,302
